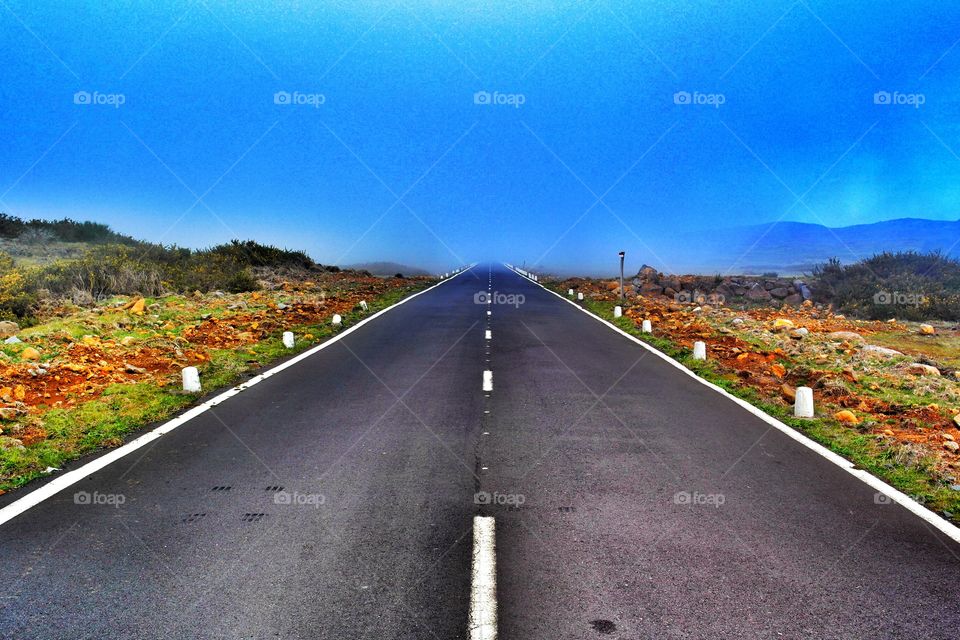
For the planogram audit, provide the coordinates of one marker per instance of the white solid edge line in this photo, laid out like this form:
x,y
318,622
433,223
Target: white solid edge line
x,y
483,588
946,527
488,380
60,483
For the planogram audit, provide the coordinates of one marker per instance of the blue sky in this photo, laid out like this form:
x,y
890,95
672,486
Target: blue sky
x,y
608,124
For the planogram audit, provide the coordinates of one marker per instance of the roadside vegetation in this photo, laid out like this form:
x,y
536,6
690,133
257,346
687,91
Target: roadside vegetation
x,y
94,341
908,286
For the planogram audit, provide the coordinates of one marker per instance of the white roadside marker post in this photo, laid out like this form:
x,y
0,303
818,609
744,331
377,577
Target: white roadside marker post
x,y
191,380
363,305
569,292
803,405
617,311
699,350
579,295
337,320
288,339
646,327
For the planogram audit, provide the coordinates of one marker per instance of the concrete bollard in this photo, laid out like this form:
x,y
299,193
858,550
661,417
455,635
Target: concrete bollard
x,y
646,327
803,405
579,295
288,339
569,292
363,305
191,380
617,311
699,350
337,320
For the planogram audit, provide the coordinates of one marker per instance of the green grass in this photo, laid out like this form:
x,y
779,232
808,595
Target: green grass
x,y
944,349
126,408
915,477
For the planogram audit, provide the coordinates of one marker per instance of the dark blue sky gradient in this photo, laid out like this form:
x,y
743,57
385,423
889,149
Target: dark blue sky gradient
x,y
598,157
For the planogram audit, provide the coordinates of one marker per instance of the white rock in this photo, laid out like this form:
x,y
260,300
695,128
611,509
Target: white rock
x,y
872,349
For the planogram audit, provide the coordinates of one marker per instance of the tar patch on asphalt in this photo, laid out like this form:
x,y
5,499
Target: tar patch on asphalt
x,y
252,517
221,487
193,517
604,627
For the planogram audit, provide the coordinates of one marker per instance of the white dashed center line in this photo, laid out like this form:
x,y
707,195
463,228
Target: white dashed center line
x,y
488,380
483,591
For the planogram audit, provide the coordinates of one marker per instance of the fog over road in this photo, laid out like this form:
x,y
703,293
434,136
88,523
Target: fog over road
x,y
337,499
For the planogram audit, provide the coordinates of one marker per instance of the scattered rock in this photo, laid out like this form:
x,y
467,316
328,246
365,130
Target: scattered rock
x,y
8,328
872,349
758,294
947,436
130,368
927,329
782,323
780,292
12,340
847,336
788,392
919,369
846,417
956,420
799,334
126,341
951,446
737,321
30,354
6,442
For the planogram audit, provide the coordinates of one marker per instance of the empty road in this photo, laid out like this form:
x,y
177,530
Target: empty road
x,y
337,499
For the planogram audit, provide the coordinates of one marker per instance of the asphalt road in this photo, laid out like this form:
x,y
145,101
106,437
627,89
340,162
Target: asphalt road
x,y
630,502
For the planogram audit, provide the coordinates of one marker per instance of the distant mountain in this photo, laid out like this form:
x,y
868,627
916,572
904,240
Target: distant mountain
x,y
795,247
387,268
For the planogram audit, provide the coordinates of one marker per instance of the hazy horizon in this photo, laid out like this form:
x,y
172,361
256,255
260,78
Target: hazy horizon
x,y
429,134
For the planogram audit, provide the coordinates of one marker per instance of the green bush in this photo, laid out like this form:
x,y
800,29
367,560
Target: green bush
x,y
906,286
115,264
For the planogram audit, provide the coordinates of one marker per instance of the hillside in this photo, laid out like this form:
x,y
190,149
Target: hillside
x,y
796,247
